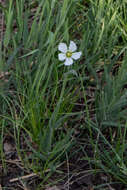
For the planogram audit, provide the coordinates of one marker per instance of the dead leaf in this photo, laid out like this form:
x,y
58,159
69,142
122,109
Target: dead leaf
x,y
91,188
3,74
0,187
8,148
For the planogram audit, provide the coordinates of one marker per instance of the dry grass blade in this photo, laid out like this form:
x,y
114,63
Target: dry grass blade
x,y
53,188
23,177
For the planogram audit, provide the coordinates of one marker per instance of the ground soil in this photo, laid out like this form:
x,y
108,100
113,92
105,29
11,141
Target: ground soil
x,y
77,175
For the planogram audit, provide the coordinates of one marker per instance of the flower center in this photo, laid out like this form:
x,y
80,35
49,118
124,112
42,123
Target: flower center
x,y
69,54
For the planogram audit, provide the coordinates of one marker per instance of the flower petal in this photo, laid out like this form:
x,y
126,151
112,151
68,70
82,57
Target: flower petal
x,y
76,55
69,61
61,56
72,46
62,47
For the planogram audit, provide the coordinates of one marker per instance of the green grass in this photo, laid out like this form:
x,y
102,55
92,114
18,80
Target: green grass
x,y
55,112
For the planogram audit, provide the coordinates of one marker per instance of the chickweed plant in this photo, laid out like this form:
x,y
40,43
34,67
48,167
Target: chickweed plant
x,y
63,80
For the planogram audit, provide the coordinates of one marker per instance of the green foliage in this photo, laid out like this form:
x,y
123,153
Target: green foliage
x,y
45,102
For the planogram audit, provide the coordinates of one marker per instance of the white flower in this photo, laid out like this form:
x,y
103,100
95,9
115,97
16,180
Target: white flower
x,y
68,54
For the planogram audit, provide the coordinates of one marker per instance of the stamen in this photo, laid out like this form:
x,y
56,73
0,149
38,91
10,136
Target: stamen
x,y
69,54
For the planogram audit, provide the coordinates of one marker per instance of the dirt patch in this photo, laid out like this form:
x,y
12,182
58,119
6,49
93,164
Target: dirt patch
x,y
77,174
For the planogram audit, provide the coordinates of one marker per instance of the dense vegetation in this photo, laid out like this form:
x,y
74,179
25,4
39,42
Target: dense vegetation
x,y
65,120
